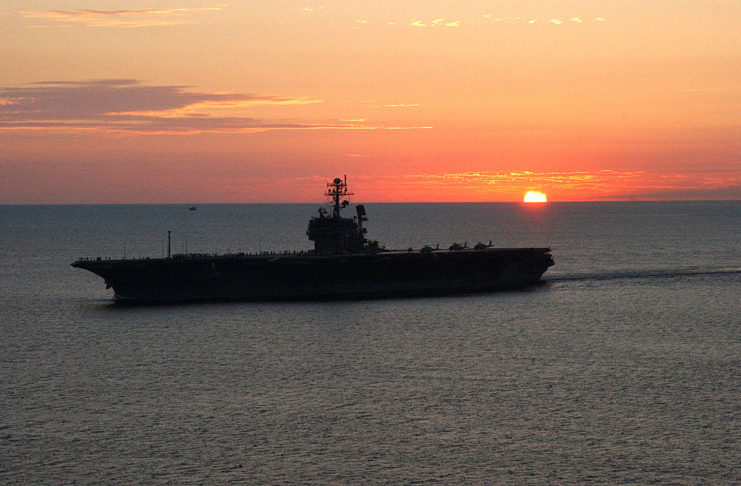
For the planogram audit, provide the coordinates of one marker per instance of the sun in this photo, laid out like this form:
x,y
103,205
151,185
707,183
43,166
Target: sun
x,y
535,197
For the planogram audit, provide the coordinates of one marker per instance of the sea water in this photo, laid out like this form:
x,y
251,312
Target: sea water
x,y
623,367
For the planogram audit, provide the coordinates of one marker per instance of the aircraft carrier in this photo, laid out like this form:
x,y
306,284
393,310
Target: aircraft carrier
x,y
344,264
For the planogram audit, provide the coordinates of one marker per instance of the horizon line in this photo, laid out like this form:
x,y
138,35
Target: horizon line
x,y
362,202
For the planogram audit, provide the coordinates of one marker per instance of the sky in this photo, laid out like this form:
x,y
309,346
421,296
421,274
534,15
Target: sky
x,y
193,101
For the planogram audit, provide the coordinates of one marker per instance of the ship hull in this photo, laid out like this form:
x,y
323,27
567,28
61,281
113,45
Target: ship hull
x,y
314,276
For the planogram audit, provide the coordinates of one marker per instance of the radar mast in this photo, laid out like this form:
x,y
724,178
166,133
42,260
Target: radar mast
x,y
337,189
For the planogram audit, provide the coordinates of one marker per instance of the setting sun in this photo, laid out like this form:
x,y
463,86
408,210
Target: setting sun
x,y
535,197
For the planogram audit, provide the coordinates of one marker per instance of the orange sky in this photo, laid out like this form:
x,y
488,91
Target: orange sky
x,y
197,101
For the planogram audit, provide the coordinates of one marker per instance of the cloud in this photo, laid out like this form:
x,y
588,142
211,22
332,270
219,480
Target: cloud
x,y
121,18
533,20
125,106
420,23
599,184
439,22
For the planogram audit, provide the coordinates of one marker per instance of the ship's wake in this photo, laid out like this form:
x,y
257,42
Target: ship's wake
x,y
641,274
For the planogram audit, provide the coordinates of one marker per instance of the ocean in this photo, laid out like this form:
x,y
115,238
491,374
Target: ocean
x,y
623,367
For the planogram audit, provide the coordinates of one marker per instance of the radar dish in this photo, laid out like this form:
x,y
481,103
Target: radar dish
x,y
337,180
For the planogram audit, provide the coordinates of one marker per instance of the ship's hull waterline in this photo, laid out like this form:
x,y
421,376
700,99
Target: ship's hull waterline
x,y
314,276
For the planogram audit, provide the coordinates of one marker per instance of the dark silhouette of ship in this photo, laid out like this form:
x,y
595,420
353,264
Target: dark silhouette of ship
x,y
344,264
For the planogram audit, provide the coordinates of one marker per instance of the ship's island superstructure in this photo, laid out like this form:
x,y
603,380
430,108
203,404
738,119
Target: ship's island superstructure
x,y
343,265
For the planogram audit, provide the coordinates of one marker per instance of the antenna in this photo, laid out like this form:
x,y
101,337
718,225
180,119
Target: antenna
x,y
336,190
